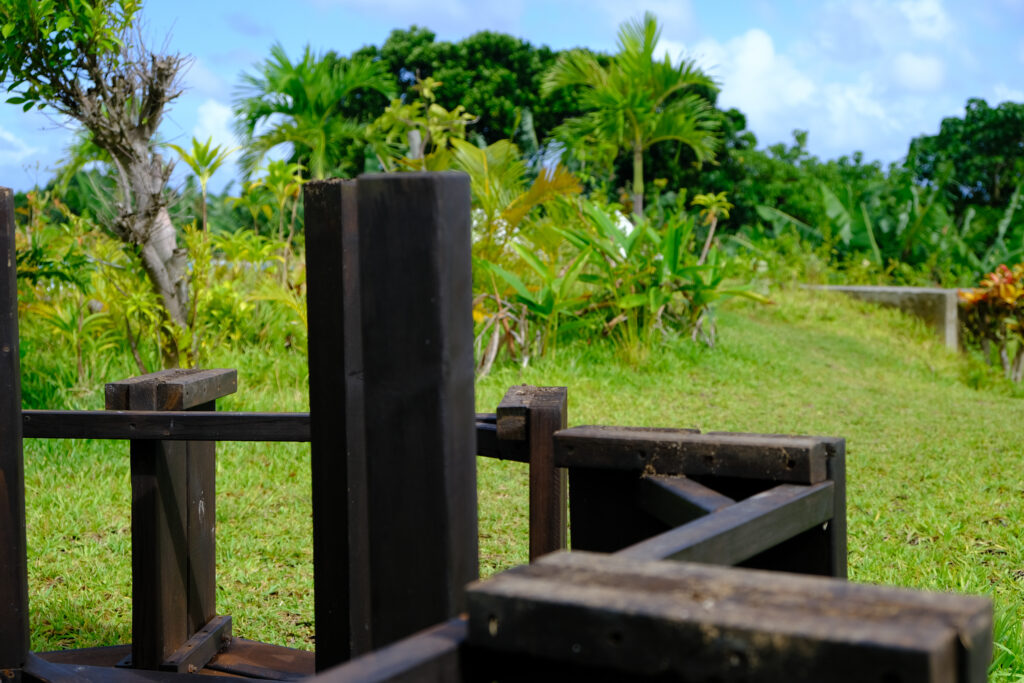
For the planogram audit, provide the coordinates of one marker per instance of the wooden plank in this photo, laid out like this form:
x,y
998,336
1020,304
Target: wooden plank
x,y
417,341
821,549
684,621
677,500
792,459
159,535
490,446
218,426
201,535
740,531
109,655
604,516
14,630
432,655
173,516
534,414
360,577
175,425
201,647
188,389
329,296
39,669
253,659
176,388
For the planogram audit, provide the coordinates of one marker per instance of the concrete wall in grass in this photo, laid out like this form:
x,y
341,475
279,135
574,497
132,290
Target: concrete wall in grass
x,y
936,306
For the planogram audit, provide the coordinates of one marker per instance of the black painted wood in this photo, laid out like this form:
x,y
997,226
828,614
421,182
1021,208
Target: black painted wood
x,y
687,621
738,532
417,342
173,515
14,633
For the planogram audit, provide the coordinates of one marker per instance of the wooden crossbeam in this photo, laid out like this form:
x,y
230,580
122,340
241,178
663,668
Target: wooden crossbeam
x,y
793,459
684,621
741,531
677,500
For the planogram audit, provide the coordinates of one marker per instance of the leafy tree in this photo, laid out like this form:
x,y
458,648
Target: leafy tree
x,y
84,61
417,134
637,101
494,75
317,105
978,159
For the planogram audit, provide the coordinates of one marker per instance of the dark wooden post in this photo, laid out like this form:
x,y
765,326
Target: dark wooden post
x,y
174,621
534,414
407,428
341,561
14,634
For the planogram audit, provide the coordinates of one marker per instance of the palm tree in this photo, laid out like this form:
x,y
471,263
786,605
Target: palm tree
x,y
637,100
305,104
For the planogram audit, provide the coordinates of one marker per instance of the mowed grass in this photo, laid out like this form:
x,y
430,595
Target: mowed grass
x,y
936,488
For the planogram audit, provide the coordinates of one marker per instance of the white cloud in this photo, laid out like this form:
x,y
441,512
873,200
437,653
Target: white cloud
x,y
755,78
927,18
13,149
214,121
1004,93
917,72
854,114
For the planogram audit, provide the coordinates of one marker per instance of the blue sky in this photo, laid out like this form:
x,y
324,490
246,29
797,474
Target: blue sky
x,y
863,75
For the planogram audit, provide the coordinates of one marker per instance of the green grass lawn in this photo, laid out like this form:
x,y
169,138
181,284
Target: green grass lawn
x,y
936,490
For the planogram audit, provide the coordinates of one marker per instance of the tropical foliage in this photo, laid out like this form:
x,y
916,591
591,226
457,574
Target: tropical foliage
x,y
637,101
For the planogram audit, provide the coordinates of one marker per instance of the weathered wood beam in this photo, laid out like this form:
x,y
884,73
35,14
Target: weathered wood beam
x,y
14,633
533,415
677,500
686,621
769,457
743,530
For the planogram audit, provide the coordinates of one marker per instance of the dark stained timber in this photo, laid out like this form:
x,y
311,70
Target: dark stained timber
x,y
604,514
534,414
332,281
793,459
175,425
821,549
676,500
14,630
738,532
432,655
685,621
173,517
417,364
